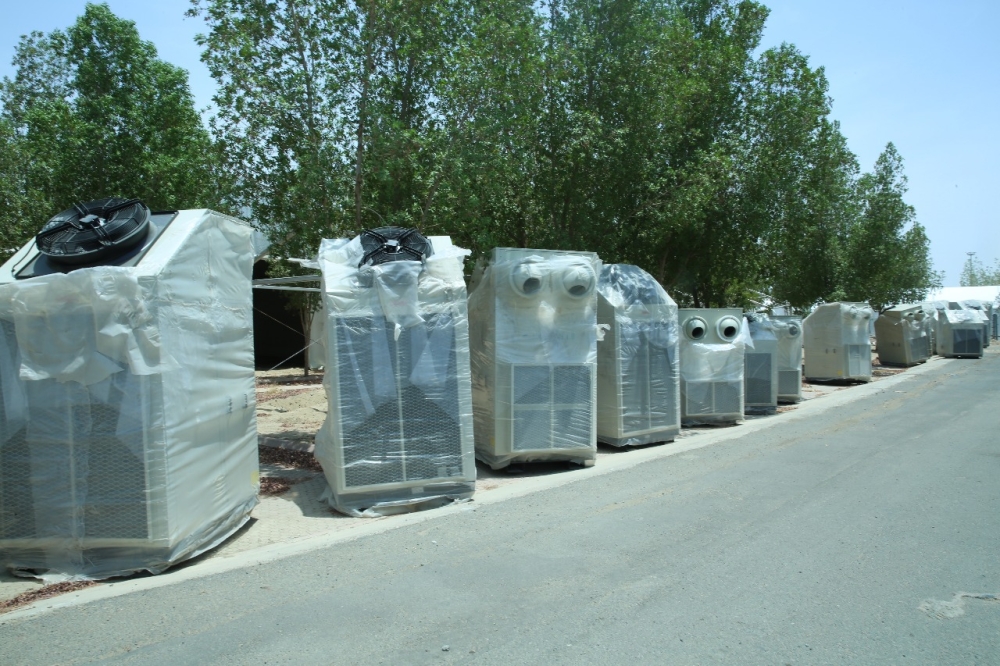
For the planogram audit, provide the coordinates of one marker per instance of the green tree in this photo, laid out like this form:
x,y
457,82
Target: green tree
x,y
93,112
887,258
975,274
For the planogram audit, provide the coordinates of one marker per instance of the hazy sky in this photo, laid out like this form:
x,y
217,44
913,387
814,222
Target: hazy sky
x,y
924,75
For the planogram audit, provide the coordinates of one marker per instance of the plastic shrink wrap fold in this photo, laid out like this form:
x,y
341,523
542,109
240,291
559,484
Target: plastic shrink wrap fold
x,y
398,433
127,420
985,309
534,357
638,364
788,329
760,374
837,343
901,336
712,348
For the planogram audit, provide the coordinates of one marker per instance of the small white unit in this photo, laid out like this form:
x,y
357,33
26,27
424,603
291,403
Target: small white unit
x,y
901,336
533,317
960,333
788,329
128,436
712,365
836,342
398,434
638,367
760,379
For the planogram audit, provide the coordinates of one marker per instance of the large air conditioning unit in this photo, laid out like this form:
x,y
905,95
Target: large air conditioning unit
x,y
398,432
760,372
712,365
901,336
534,357
836,340
127,404
788,329
638,367
960,333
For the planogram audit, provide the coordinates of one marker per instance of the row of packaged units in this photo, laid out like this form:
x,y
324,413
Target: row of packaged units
x,y
127,398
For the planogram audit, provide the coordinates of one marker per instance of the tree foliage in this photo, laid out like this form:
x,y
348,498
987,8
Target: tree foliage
x,y
653,132
976,274
92,112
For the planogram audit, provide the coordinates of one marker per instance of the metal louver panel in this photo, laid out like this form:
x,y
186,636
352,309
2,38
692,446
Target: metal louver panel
x,y
396,427
758,378
552,406
789,382
727,397
648,396
698,398
966,341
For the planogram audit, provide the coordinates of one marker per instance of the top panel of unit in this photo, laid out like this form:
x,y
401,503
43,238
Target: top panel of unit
x,y
40,265
516,253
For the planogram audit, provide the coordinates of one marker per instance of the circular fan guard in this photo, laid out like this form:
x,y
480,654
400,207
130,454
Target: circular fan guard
x,y
387,244
94,231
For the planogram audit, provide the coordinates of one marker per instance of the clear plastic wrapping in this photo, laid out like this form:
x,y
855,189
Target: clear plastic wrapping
x,y
901,336
127,421
985,308
638,362
837,343
788,329
398,433
713,344
534,356
959,332
760,372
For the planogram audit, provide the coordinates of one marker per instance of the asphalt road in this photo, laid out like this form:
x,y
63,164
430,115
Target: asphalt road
x,y
845,537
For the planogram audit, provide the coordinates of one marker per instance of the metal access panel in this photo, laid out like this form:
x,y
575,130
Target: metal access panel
x,y
760,376
966,342
712,398
649,399
410,434
552,406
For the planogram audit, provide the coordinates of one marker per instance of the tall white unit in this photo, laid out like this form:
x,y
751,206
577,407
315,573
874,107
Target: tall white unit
x,y
712,365
398,433
638,365
788,329
127,403
533,318
836,342
760,378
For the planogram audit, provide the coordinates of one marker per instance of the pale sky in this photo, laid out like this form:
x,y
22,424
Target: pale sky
x,y
924,75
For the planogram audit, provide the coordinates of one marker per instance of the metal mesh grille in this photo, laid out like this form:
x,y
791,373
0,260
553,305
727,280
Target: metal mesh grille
x,y
966,342
758,378
552,406
698,398
648,390
400,423
17,520
727,397
789,382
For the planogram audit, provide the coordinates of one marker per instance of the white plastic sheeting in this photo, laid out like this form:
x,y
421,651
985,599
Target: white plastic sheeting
x,y
713,344
398,434
760,378
836,340
128,432
901,336
534,356
788,329
638,362
959,332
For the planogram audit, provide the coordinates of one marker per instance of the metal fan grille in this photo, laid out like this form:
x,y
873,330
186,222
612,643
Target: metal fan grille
x,y
94,230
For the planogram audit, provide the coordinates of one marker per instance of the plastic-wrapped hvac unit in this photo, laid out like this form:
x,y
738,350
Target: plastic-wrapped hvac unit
x,y
960,333
788,329
712,350
760,372
127,416
985,308
901,336
398,433
836,342
534,357
638,367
